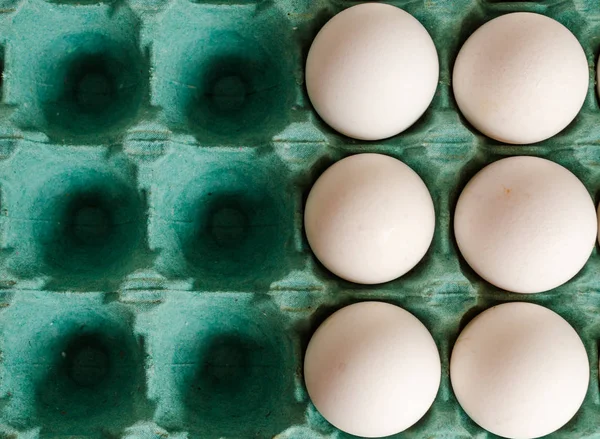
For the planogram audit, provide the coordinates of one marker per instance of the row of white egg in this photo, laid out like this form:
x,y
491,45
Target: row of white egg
x,y
524,224
518,370
373,70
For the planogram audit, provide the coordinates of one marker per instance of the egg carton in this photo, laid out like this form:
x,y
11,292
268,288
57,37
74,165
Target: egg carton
x,y
155,157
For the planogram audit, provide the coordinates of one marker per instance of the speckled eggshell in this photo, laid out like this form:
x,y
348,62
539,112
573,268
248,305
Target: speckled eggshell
x,y
525,224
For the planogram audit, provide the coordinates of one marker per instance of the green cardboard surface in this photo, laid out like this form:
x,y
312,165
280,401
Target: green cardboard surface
x,y
155,157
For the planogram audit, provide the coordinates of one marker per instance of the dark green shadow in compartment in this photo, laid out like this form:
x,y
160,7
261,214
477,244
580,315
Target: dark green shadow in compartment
x,y
1,73
231,372
87,229
222,85
236,235
80,77
93,88
93,231
87,361
228,225
237,95
237,381
84,366
80,2
231,376
93,373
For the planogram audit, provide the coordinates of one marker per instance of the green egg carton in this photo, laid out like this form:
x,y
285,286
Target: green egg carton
x,y
155,157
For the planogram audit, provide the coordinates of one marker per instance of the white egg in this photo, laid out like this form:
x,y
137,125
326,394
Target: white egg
x,y
519,370
598,215
369,218
598,77
525,224
372,369
521,78
372,71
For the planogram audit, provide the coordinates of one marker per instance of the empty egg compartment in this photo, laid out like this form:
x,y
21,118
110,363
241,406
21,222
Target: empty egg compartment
x,y
222,218
71,365
72,219
223,73
221,365
9,133
81,77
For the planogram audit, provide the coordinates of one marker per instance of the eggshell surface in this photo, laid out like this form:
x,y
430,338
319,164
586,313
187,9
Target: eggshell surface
x,y
369,218
598,76
521,78
519,370
372,71
598,215
372,369
525,224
